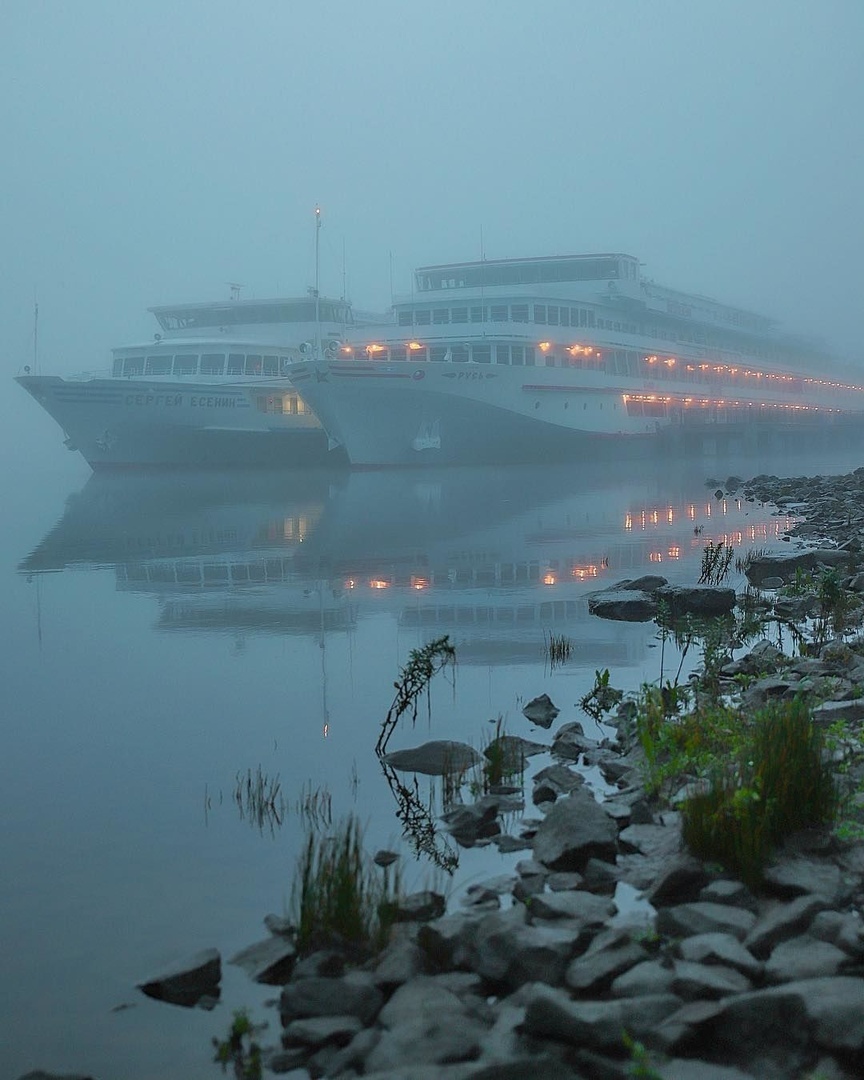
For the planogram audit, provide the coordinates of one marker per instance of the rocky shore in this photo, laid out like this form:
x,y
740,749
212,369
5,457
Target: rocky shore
x,y
551,971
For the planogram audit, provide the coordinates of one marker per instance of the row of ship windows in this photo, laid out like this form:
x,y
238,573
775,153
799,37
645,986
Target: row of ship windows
x,y
546,314
210,364
282,404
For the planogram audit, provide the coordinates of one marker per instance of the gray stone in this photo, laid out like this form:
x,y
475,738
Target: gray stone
x,y
720,948
575,830
623,605
780,923
512,953
540,711
269,961
803,958
682,920
649,977
843,929
582,906
315,1031
692,1069
189,982
595,1025
436,758
694,980
593,972
420,907
679,882
706,600
799,876
354,995
726,891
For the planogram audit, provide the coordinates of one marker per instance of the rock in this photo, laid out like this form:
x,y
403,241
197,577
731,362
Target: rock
x,y
541,711
705,600
720,948
582,906
420,907
780,923
575,830
785,566
354,995
679,882
803,958
468,824
593,972
623,605
315,1031
436,758
797,876
269,961
596,1025
683,920
191,982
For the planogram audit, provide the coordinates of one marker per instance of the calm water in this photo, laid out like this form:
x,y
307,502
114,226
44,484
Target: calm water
x,y
163,635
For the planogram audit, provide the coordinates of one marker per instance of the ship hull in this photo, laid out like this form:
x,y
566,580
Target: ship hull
x,y
117,424
387,414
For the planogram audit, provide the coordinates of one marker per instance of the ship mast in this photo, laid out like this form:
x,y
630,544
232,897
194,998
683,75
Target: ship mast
x,y
317,290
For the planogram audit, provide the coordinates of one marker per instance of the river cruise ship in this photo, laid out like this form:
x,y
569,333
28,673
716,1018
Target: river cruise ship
x,y
210,389
545,358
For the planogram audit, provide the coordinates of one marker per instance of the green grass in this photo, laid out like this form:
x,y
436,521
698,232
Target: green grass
x,y
774,782
340,898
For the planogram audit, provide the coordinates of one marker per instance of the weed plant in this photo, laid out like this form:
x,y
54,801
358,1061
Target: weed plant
x,y
776,781
716,560
414,679
558,649
601,698
340,897
240,1050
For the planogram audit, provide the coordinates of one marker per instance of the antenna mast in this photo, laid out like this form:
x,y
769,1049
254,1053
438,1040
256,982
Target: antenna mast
x,y
317,290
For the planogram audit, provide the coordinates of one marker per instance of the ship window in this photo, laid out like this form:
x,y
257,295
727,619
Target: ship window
x,y
253,365
499,312
406,318
117,368
502,354
212,363
552,315
271,365
460,354
529,356
481,354
478,314
441,315
519,313
438,352
590,318
423,318
539,313
583,317
185,365
158,365
133,365
517,355
459,314
235,363
565,316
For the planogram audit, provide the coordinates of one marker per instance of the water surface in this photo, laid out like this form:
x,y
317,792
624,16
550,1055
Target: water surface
x,y
164,634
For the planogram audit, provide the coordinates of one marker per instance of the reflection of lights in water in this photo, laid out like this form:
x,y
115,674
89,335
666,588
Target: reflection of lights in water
x,y
419,583
326,730
582,572
549,579
379,583
691,512
670,515
674,553
655,556
350,583
628,522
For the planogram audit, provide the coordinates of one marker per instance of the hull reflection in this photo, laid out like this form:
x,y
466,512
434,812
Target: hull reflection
x,y
497,559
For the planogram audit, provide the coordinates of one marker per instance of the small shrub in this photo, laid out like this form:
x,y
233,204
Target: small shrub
x,y
339,895
778,782
240,1049
716,560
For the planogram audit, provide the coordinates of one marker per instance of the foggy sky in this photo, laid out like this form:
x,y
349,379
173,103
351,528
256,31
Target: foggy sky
x,y
154,151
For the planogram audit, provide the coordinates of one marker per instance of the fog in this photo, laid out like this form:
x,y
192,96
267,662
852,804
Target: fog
x,y
154,152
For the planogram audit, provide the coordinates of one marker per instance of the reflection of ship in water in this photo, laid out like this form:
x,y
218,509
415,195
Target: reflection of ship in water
x,y
494,558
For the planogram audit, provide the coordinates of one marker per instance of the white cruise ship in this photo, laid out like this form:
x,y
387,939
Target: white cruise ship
x,y
210,389
542,358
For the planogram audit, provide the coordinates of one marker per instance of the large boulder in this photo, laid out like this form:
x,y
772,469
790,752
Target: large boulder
x,y
576,829
190,982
